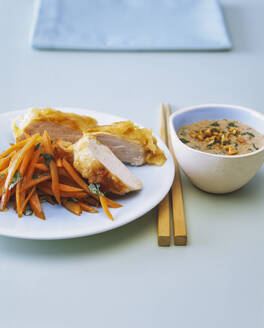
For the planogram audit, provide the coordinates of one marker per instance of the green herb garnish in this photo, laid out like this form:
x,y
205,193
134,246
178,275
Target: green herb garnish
x,y
213,130
16,178
2,176
183,133
236,145
197,147
36,147
248,133
209,146
184,140
231,125
47,158
95,189
215,124
255,146
73,200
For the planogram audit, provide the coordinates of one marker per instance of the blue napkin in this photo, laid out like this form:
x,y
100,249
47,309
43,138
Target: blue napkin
x,y
130,25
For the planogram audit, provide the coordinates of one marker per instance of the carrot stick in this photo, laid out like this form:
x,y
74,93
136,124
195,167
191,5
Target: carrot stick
x,y
76,177
13,166
87,208
47,191
17,146
34,182
59,162
103,202
31,167
6,161
36,206
66,188
73,207
20,194
41,167
53,168
27,199
111,203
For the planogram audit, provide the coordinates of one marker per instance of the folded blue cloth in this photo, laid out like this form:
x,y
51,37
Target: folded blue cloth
x,y
130,25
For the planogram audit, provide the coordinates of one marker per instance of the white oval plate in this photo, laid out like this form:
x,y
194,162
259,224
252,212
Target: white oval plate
x,y
61,224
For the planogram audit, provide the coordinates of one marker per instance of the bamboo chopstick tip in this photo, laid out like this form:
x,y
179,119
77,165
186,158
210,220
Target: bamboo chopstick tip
x,y
164,241
180,240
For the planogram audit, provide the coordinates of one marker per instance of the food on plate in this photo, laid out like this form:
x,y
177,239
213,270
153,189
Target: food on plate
x,y
31,173
225,137
68,159
130,143
67,126
97,163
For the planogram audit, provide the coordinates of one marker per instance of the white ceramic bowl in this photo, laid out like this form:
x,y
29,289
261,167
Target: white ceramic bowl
x,y
216,173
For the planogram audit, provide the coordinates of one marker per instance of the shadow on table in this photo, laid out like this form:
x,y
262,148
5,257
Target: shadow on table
x,y
122,237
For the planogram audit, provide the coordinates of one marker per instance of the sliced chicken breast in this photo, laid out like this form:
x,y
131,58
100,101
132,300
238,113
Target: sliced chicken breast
x,y
98,164
130,143
59,125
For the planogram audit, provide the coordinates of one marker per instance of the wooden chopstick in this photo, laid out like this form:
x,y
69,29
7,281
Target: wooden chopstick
x,y
179,224
164,230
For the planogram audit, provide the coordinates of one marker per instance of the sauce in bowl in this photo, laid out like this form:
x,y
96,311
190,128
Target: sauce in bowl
x,y
223,137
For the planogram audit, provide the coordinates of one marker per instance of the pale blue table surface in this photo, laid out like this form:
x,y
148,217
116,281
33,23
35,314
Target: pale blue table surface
x,y
122,278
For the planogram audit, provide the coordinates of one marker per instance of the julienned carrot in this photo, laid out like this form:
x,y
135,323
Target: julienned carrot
x,y
111,203
68,167
52,165
13,166
35,182
47,191
66,188
36,206
41,167
26,200
31,167
16,146
59,162
20,194
73,207
103,202
87,208
4,162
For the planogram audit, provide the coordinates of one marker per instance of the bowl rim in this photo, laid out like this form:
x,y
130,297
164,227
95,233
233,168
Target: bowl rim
x,y
190,108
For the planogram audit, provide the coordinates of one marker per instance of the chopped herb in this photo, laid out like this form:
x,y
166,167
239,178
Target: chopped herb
x,y
248,133
209,146
47,158
197,147
73,200
231,125
183,133
236,145
213,130
95,189
36,147
250,149
39,176
255,146
184,140
215,123
2,176
196,131
16,178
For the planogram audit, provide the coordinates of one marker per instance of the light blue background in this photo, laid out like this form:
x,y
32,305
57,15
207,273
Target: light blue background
x,y
122,278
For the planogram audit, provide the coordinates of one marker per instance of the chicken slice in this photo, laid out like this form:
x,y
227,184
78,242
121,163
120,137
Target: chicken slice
x,y
98,164
130,143
60,125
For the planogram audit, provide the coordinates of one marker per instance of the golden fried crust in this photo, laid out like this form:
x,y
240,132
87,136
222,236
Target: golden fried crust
x,y
68,126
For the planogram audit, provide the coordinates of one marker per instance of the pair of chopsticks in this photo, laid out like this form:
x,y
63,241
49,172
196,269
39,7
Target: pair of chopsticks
x,y
164,222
